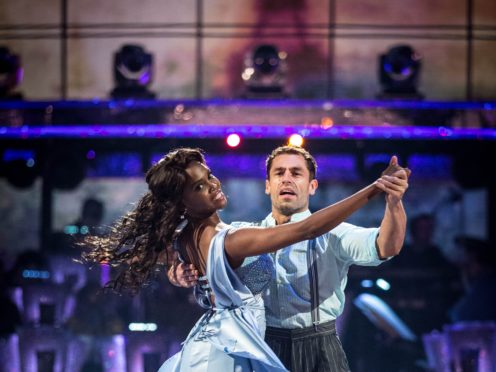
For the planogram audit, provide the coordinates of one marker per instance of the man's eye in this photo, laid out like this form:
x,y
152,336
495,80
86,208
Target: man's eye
x,y
210,176
199,187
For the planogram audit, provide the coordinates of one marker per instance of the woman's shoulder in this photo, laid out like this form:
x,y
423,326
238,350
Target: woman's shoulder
x,y
209,235
215,233
221,226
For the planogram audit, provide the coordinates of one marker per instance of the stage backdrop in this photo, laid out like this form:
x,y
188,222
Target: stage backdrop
x,y
199,47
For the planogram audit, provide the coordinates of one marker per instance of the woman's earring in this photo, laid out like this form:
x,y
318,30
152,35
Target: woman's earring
x,y
179,229
183,221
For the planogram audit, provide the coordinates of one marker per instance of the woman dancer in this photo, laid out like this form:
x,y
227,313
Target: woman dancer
x,y
181,210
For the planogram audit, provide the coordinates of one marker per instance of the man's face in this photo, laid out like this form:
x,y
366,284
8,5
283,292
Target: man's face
x,y
289,185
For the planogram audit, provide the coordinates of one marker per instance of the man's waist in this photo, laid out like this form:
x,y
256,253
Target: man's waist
x,y
298,315
296,333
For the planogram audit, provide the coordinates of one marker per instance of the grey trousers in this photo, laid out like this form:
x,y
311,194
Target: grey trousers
x,y
312,349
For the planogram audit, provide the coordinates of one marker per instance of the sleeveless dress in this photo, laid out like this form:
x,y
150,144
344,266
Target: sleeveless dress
x,y
229,337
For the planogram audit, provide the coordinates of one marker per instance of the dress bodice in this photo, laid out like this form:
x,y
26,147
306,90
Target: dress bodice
x,y
256,273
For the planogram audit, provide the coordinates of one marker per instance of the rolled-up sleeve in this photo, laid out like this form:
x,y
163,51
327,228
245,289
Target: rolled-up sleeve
x,y
355,245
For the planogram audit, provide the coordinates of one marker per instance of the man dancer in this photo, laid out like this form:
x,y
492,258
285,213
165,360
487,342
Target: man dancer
x,y
307,295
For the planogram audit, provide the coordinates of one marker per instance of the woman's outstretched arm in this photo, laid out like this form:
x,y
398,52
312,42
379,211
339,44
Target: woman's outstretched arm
x,y
253,241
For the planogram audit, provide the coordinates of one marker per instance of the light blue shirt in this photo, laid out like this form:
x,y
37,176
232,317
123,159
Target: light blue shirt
x,y
287,299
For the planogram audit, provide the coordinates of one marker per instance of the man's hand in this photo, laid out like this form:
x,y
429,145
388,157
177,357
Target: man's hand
x,y
182,275
394,181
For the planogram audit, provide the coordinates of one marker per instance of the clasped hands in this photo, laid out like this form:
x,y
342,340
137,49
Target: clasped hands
x,y
394,181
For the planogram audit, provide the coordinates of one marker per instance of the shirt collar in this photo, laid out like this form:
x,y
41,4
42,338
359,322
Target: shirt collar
x,y
294,218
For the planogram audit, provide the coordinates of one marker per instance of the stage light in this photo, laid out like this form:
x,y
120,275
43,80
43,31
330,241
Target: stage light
x,y
71,229
367,283
296,140
399,73
266,59
11,73
35,274
383,316
264,74
383,284
142,327
19,167
91,154
233,140
133,69
326,122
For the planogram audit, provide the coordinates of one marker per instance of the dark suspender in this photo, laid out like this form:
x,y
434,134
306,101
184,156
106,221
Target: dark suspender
x,y
314,281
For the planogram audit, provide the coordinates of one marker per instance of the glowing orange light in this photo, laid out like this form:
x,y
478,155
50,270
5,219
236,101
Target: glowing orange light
x,y
326,122
296,140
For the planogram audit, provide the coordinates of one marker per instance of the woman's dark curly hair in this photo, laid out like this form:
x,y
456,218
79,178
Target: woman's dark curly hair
x,y
142,235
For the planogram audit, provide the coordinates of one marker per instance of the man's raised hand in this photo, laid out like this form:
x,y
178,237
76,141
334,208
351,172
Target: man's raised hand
x,y
394,181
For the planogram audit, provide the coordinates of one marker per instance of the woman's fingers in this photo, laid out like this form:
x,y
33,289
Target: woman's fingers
x,y
392,184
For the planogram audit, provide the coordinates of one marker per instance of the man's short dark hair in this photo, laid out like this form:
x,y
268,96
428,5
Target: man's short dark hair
x,y
294,150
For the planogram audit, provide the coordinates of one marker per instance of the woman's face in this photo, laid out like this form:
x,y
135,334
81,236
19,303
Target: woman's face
x,y
202,194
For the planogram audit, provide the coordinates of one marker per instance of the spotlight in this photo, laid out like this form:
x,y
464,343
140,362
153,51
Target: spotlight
x,y
20,167
265,73
10,74
266,59
233,140
132,73
383,284
142,327
367,283
399,72
295,140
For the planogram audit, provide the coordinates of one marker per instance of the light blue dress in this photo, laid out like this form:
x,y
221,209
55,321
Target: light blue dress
x,y
230,336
